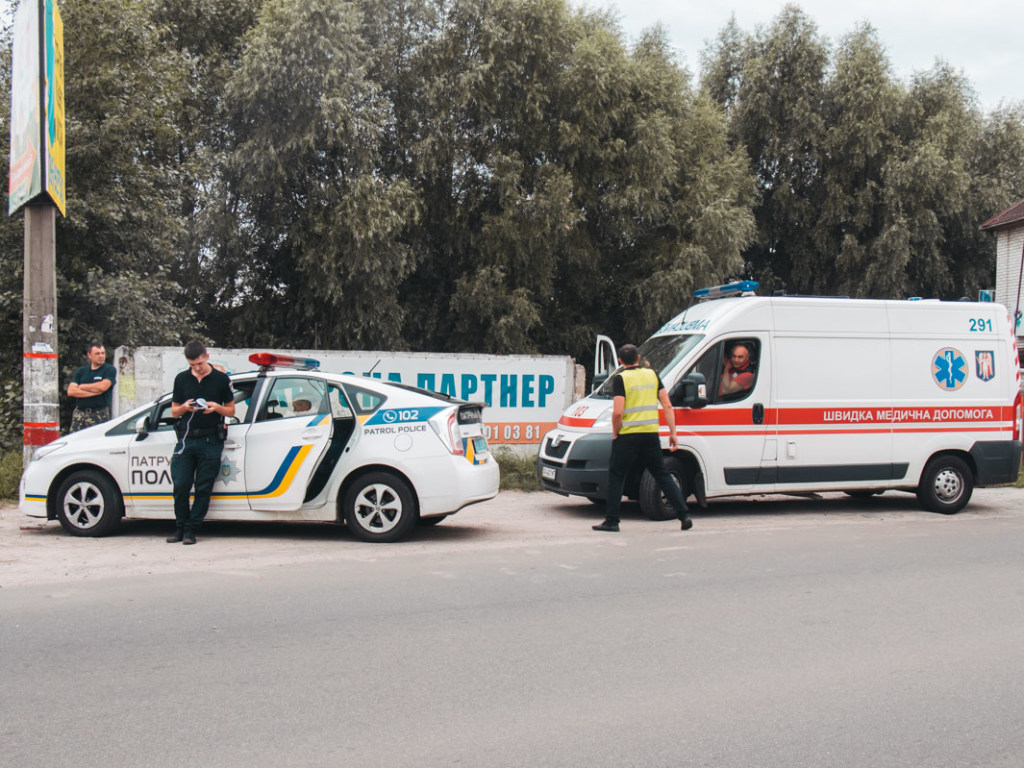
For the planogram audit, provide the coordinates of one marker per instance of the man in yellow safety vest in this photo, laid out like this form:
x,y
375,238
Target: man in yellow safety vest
x,y
637,392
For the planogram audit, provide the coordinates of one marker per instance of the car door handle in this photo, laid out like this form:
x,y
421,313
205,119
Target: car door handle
x,y
231,446
312,434
758,413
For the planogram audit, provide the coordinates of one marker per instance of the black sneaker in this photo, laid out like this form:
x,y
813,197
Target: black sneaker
x,y
607,525
686,523
175,537
190,538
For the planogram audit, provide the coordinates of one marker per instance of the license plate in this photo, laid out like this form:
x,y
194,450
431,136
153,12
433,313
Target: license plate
x,y
548,473
479,445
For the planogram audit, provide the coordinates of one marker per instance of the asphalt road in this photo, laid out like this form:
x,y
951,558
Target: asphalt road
x,y
788,632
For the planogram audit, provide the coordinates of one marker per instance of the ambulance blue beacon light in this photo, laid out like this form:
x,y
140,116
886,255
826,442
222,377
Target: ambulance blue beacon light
x,y
274,360
729,289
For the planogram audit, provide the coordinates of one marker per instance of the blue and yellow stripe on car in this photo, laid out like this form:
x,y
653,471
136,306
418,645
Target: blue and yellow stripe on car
x,y
278,486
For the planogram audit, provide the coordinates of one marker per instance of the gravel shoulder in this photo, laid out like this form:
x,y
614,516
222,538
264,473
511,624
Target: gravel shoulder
x,y
33,551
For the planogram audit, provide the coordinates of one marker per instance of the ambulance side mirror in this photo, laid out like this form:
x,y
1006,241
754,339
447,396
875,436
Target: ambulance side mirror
x,y
690,391
605,361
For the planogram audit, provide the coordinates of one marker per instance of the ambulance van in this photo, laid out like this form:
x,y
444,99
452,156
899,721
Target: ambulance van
x,y
861,396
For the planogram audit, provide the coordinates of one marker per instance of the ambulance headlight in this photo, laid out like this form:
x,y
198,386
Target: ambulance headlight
x,y
604,421
46,450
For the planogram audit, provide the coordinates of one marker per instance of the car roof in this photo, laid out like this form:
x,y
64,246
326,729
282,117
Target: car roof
x,y
355,380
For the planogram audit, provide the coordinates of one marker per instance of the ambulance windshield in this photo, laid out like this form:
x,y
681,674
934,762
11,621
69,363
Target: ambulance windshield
x,y
662,353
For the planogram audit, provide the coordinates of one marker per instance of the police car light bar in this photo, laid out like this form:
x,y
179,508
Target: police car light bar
x,y
274,360
741,288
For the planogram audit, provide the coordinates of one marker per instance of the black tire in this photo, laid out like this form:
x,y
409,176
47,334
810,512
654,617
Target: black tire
x,y
89,504
379,507
946,485
427,522
652,501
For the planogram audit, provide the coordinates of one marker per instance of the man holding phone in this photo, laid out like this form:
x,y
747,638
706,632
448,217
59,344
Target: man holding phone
x,y
201,400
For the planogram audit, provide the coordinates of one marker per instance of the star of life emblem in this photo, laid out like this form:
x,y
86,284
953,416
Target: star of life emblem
x,y
949,368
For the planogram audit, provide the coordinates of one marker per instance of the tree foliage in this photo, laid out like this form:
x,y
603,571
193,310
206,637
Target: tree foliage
x,y
867,186
501,176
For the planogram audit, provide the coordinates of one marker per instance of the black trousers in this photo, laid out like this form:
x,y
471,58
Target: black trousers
x,y
647,447
196,462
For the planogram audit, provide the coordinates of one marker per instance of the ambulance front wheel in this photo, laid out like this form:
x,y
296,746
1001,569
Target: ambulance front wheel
x,y
652,500
946,485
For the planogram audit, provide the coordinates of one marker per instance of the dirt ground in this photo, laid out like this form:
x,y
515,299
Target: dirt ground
x,y
34,551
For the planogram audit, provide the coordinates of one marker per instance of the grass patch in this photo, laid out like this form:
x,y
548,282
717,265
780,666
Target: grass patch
x,y
518,472
10,474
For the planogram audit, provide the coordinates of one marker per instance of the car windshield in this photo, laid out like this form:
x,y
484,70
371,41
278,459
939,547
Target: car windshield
x,y
661,353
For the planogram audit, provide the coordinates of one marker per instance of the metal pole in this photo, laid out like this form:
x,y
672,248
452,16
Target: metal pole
x,y
39,352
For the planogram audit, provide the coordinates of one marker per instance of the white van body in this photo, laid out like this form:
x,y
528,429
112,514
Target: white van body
x,y
851,395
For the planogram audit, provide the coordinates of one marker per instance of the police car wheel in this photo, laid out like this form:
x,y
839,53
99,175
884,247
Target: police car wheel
x,y
88,504
652,500
946,485
379,507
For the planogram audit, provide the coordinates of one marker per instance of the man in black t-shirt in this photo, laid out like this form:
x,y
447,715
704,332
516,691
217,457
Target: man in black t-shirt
x,y
202,398
91,386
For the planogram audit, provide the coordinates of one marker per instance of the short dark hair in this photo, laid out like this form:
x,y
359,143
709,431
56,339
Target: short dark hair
x,y
194,350
629,354
94,345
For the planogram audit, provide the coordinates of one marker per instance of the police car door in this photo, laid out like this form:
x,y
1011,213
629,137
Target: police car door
x,y
149,463
729,435
288,436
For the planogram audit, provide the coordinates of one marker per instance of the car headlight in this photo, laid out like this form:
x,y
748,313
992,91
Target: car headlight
x,y
46,450
604,420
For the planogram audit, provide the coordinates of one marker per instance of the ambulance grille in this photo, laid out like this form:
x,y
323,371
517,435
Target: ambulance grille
x,y
556,452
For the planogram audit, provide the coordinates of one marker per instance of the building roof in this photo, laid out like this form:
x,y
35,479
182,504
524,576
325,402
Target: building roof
x,y
1012,215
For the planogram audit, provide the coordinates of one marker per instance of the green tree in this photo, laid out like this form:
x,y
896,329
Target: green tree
x,y
861,103
567,185
773,84
314,255
122,231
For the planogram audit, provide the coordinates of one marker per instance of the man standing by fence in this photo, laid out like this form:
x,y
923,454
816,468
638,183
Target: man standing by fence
x,y
91,386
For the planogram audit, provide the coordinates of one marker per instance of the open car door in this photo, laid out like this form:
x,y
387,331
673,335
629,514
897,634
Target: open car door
x,y
285,443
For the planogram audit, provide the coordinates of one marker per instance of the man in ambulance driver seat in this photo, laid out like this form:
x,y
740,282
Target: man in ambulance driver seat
x,y
737,375
637,392
201,400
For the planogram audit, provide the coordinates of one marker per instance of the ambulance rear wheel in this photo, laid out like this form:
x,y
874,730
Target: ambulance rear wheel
x,y
380,507
652,500
946,485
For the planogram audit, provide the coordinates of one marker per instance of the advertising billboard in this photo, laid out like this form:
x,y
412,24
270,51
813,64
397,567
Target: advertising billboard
x,y
37,106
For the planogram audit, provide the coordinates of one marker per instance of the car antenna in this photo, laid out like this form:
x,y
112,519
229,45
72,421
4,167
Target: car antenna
x,y
374,366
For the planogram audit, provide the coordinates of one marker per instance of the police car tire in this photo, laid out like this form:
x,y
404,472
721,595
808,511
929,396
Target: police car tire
x,y
652,501
946,485
379,507
88,504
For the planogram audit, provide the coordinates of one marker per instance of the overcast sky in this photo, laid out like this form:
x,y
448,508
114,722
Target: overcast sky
x,y
984,39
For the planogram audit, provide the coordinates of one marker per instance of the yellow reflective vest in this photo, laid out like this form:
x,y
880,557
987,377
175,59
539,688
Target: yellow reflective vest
x,y
641,410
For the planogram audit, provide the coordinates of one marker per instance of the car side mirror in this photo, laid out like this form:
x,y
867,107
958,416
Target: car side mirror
x,y
690,391
142,428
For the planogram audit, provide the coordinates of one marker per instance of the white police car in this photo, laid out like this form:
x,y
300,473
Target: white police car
x,y
303,446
